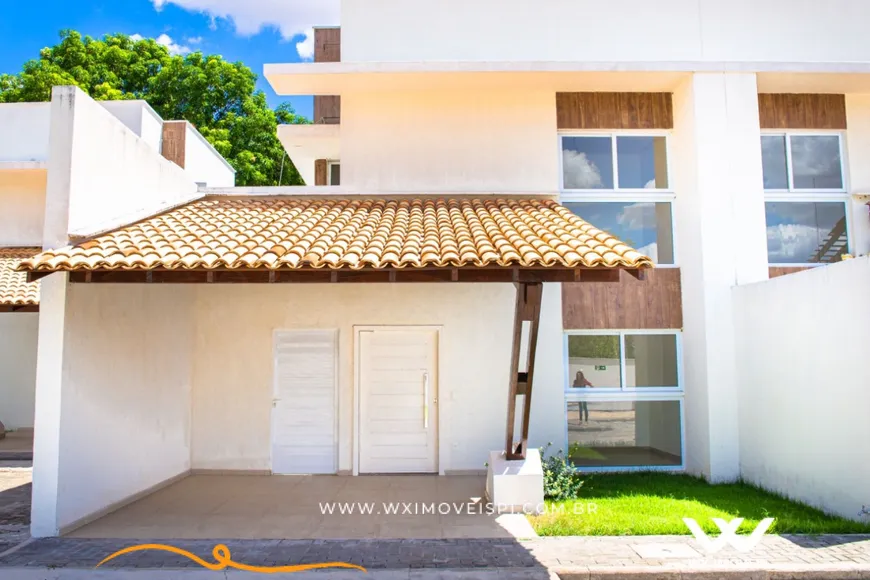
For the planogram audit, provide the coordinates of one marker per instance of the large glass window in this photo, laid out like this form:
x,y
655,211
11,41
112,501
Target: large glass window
x,y
624,399
802,162
619,434
805,209
622,360
806,232
644,225
614,162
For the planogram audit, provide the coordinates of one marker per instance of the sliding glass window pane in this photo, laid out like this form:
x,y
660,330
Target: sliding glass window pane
x,y
593,362
645,226
642,162
587,162
651,360
773,161
806,232
815,162
624,433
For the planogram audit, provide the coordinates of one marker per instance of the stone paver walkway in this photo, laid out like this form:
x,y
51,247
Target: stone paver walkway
x,y
582,556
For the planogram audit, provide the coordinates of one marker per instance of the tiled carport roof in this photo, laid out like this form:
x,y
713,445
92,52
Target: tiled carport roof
x,y
15,290
349,233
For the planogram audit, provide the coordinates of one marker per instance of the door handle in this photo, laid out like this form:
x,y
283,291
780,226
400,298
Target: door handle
x,y
425,399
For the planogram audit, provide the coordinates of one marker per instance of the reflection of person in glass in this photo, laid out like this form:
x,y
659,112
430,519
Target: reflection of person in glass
x,y
580,382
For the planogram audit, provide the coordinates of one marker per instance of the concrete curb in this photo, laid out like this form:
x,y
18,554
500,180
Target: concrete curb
x,y
735,572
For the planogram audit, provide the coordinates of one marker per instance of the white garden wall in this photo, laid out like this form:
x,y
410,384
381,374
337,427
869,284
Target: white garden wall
x,y
803,388
203,164
232,390
18,336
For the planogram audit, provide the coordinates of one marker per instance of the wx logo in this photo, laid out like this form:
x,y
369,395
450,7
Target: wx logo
x,y
729,534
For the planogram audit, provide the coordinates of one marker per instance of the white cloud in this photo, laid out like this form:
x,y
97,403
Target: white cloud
x,y
174,48
165,40
194,40
290,17
580,173
306,47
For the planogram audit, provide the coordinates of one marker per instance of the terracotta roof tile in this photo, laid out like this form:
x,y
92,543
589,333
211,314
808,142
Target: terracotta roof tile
x,y
15,290
352,233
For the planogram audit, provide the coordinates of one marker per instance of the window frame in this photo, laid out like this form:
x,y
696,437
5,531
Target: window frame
x,y
608,393
329,165
617,195
613,134
803,195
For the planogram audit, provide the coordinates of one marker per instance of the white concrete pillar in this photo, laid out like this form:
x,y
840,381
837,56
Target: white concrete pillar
x,y
49,381
720,227
858,164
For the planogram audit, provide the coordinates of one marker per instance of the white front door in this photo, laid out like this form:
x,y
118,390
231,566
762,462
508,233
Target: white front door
x,y
398,380
304,402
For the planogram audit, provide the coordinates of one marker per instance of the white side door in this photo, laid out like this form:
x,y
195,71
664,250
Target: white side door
x,y
398,378
304,405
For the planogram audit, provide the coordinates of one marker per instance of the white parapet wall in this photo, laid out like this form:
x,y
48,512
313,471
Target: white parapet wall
x,y
101,174
804,388
703,31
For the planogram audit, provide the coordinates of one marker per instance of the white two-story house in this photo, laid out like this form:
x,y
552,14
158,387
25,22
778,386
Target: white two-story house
x,y
468,269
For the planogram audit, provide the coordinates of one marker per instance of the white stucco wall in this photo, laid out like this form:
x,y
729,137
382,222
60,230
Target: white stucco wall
x,y
140,118
719,188
101,174
803,386
590,30
24,131
18,336
125,399
450,141
232,390
203,164
22,207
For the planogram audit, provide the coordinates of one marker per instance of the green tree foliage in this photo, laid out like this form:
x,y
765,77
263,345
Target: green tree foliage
x,y
218,97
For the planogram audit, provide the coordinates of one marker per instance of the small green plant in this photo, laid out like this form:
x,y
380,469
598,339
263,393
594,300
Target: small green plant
x,y
561,480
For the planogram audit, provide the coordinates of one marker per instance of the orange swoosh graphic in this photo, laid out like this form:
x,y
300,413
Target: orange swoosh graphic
x,y
224,560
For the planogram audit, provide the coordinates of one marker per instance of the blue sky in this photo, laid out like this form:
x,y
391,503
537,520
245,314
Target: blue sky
x,y
252,31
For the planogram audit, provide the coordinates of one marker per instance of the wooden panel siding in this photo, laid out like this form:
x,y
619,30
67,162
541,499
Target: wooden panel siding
x,y
614,110
327,48
174,135
327,45
802,111
655,302
327,109
777,271
320,167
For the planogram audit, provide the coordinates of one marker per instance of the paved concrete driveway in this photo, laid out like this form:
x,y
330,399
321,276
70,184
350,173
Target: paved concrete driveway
x,y
15,487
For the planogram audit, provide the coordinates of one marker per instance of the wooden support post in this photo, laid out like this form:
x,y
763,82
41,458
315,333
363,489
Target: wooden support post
x,y
528,309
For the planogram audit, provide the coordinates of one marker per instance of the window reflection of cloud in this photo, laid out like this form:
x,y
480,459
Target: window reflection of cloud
x,y
816,157
637,216
793,242
651,251
580,172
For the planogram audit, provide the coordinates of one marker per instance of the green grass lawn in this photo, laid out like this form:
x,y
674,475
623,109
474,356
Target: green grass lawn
x,y
652,503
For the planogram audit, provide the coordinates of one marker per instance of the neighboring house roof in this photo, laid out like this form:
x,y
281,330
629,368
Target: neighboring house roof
x,y
288,232
15,290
